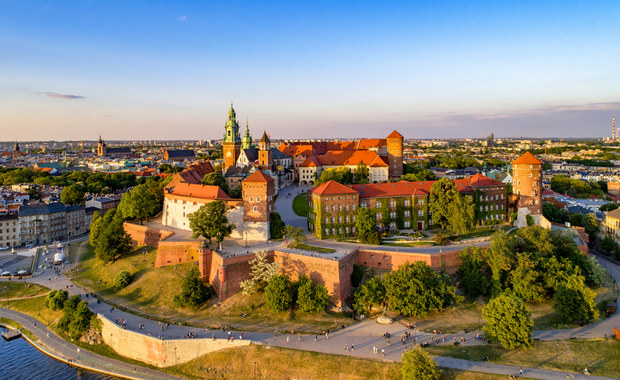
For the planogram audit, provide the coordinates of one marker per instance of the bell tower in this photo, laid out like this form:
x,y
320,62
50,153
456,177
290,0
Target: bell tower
x,y
265,157
247,138
232,141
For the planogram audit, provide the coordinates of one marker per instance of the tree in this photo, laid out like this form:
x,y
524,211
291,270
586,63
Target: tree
x,y
72,195
593,272
418,364
526,281
311,298
262,272
122,279
509,321
278,293
95,227
341,175
577,220
443,195
210,222
76,318
607,244
592,227
361,173
416,289
356,275
216,179
194,292
609,206
574,301
474,272
139,203
56,299
461,216
112,241
366,226
295,234
276,225
369,295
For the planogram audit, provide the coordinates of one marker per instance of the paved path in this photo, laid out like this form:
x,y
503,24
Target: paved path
x,y
52,344
597,330
284,206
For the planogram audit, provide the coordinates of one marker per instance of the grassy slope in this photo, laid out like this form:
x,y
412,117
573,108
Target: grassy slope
x,y
17,289
281,363
300,205
601,357
152,292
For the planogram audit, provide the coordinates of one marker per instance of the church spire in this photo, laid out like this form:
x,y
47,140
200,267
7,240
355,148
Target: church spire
x,y
247,138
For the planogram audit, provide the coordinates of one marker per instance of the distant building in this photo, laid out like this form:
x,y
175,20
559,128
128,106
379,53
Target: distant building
x,y
611,225
42,223
103,204
179,154
104,150
76,220
9,231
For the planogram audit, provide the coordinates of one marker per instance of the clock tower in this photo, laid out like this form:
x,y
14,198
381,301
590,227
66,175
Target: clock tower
x,y
232,140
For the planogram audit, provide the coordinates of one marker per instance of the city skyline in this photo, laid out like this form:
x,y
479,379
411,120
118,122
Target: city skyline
x,y
145,71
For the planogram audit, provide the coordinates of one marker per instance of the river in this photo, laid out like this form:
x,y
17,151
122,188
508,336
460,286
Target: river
x,y
20,361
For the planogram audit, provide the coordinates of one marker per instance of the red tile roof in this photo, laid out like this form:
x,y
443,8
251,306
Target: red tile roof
x,y
479,180
332,187
527,158
395,135
199,191
258,176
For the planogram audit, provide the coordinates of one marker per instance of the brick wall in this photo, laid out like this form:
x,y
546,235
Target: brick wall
x,y
389,260
178,252
146,236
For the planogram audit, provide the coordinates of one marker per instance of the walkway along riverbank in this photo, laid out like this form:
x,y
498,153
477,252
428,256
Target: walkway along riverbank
x,y
66,352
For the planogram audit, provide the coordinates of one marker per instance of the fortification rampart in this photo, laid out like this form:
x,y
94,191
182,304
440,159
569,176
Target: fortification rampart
x,y
157,352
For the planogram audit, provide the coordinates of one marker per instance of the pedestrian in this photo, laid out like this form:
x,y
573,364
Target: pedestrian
x,y
520,371
352,348
316,338
287,338
346,348
383,352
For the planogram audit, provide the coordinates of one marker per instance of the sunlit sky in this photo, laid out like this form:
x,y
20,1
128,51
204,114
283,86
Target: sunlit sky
x,y
169,69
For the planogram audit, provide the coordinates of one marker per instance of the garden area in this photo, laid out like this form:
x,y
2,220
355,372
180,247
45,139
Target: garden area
x,y
300,205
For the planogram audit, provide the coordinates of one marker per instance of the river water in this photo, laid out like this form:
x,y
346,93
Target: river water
x,y
20,361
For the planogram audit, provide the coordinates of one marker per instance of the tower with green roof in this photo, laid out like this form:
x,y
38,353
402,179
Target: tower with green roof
x,y
232,140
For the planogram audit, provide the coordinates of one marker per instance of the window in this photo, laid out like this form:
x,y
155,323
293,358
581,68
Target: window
x,y
326,208
420,202
353,207
346,207
346,230
326,220
392,203
353,218
340,219
392,215
530,175
251,199
255,209
333,208
406,202
481,197
378,216
377,204
420,213
346,219
327,231
333,231
406,224
406,213
339,207
333,220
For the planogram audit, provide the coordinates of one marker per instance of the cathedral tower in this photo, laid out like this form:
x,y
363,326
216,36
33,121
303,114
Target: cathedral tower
x,y
232,140
265,157
247,138
101,147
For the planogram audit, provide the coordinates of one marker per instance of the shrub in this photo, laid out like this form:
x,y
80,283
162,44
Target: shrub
x,y
76,318
311,298
194,293
276,225
441,238
509,321
56,299
122,279
278,294
418,364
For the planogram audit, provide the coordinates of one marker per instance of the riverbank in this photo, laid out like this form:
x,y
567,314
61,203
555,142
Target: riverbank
x,y
59,349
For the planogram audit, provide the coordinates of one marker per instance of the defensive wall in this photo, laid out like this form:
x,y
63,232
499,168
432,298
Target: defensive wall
x,y
157,352
144,235
225,273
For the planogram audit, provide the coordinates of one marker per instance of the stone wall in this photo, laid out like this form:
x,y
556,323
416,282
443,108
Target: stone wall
x,y
160,353
178,252
146,236
390,260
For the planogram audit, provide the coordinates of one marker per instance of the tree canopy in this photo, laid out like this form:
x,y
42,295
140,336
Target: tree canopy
x,y
509,321
279,293
418,364
111,240
194,293
140,203
416,289
210,222
366,226
574,301
72,195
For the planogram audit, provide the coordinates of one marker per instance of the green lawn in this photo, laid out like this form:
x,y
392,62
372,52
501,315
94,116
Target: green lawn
x,y
300,205
17,289
410,244
600,356
313,248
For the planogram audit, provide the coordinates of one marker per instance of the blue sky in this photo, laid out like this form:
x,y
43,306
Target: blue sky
x,y
168,70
